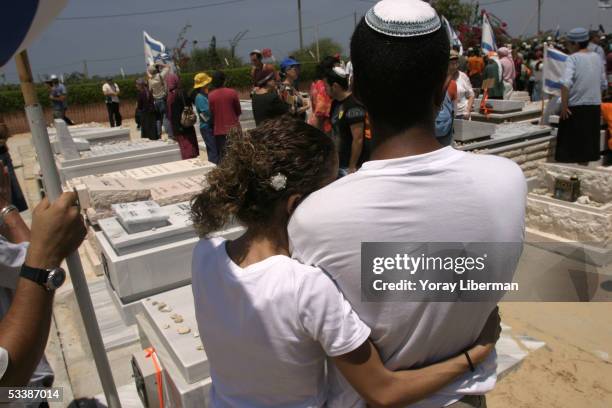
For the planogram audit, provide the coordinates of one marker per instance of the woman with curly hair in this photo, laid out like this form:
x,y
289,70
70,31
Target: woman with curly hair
x,y
268,322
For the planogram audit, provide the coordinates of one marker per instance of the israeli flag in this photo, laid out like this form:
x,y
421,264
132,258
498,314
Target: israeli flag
x,y
23,21
154,50
488,37
554,67
452,35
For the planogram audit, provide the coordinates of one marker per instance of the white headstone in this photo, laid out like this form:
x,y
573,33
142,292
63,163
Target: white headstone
x,y
140,216
68,148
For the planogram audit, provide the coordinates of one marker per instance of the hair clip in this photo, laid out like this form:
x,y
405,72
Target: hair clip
x,y
278,182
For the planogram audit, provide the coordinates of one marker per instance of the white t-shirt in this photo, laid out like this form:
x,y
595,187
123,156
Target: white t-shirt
x,y
464,92
267,328
107,88
442,196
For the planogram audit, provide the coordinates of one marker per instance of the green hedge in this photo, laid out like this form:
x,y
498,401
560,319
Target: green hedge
x,y
91,92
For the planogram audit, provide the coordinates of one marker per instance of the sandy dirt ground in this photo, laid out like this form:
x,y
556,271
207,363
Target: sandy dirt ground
x,y
573,370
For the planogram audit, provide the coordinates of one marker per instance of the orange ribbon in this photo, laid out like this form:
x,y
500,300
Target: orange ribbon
x,y
150,353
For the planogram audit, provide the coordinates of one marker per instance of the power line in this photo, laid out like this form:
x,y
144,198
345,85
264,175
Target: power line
x,y
295,30
493,2
144,13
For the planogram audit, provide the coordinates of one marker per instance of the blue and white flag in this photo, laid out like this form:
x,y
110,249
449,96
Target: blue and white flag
x,y
488,36
23,21
154,50
554,67
452,35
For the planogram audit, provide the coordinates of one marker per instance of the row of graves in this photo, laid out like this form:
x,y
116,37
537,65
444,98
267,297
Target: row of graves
x,y
568,204
136,200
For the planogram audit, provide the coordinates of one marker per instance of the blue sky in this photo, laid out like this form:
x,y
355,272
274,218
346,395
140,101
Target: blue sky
x,y
109,44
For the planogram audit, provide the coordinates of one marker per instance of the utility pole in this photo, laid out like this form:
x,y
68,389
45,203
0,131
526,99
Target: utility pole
x,y
85,72
300,24
355,17
317,41
539,17
53,189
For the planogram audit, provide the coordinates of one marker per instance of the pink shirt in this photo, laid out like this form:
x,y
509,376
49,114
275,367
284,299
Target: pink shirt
x,y
508,72
225,109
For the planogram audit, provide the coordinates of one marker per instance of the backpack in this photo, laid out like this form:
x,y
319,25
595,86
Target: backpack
x,y
188,116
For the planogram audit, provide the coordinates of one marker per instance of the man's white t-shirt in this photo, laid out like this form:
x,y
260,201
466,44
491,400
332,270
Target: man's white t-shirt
x,y
267,328
107,88
443,196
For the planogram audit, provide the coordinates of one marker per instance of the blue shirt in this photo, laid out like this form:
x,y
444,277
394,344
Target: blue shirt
x,y
585,78
203,109
56,91
444,120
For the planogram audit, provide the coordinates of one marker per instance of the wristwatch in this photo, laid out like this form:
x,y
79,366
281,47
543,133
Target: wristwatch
x,y
50,279
5,211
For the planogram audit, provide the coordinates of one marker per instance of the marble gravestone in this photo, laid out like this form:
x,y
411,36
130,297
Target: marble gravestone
x,y
140,216
67,146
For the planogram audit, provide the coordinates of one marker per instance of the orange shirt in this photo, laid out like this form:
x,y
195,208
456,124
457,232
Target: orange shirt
x,y
606,112
475,65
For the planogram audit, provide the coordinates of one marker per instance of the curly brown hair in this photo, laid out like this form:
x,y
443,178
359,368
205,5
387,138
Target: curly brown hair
x,y
241,186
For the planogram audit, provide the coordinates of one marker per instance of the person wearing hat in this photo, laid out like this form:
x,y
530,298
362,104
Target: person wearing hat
x,y
265,100
201,83
508,71
492,84
110,89
225,108
462,88
412,189
594,46
156,79
582,84
290,72
58,96
348,119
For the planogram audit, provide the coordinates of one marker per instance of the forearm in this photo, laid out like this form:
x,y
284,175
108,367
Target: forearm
x,y
24,331
470,105
564,97
356,148
409,386
15,229
381,387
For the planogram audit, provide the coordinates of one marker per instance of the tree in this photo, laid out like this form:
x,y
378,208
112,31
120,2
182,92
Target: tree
x,y
327,46
455,12
205,60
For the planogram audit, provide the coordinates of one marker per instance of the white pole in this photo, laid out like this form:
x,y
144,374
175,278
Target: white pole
x,y
53,189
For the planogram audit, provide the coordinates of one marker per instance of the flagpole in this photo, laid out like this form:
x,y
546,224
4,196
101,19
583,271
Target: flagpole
x,y
53,189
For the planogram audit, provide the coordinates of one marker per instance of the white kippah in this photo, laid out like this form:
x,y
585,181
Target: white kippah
x,y
341,72
403,18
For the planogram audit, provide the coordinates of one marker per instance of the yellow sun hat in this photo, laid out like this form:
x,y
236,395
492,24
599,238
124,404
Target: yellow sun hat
x,y
201,79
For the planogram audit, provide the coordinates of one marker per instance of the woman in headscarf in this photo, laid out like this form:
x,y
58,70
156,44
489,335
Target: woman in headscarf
x,y
177,100
508,71
146,111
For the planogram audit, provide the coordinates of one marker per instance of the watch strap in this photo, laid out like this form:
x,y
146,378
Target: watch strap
x,y
34,274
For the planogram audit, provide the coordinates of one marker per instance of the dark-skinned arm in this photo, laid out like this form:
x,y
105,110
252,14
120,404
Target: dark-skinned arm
x,y
357,130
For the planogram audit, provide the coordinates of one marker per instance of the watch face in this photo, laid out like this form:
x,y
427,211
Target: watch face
x,y
56,278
